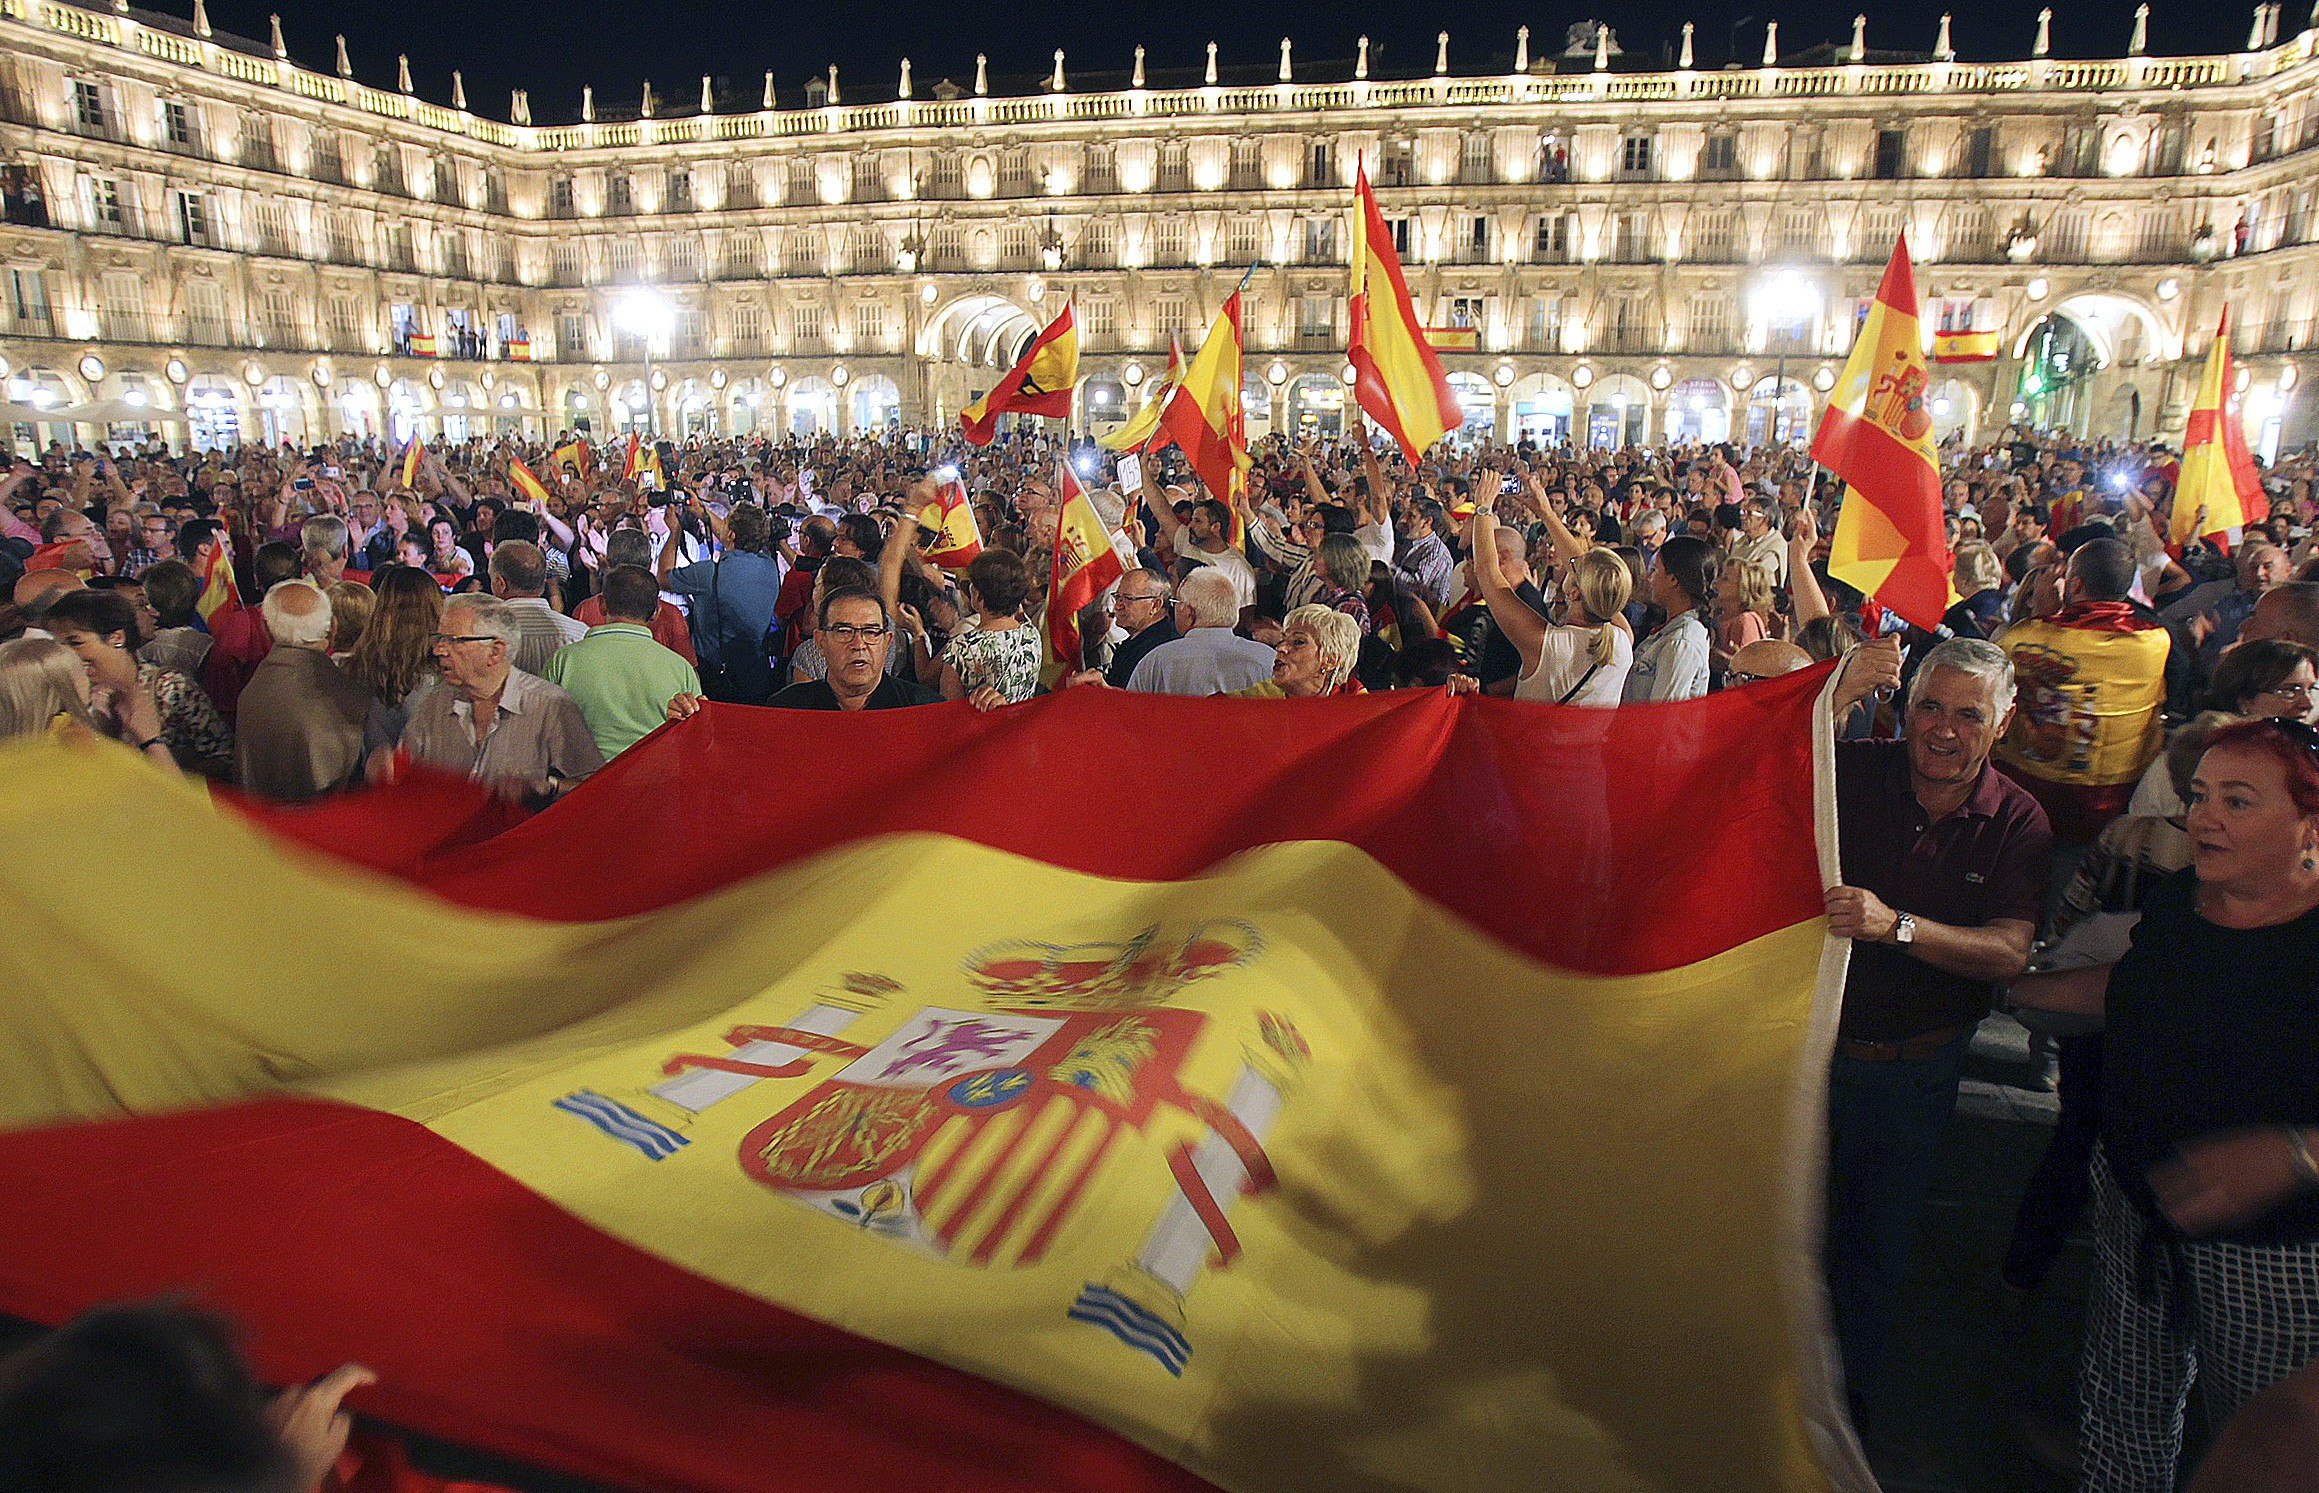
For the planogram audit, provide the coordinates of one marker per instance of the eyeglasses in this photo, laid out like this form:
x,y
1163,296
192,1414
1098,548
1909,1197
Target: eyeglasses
x,y
848,632
1733,677
461,637
1123,598
2303,692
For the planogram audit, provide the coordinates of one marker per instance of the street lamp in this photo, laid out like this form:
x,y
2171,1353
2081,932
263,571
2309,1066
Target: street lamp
x,y
648,316
1785,303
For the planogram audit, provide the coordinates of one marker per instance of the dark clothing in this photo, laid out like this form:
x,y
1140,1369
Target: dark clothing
x,y
892,693
732,609
1501,660
1886,1122
1985,862
2058,1189
2210,1028
1127,655
1978,615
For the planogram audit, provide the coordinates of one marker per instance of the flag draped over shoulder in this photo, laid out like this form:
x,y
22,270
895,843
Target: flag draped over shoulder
x,y
957,538
1890,542
1204,416
2220,491
957,1135
1397,376
1041,384
1085,562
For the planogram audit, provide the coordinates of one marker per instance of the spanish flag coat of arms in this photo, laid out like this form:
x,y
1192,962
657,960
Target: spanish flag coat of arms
x,y
961,1118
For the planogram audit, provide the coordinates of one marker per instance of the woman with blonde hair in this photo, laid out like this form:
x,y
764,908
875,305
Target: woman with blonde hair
x,y
1318,647
395,656
42,681
1584,663
1743,606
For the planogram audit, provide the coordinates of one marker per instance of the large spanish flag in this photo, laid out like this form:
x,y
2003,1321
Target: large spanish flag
x,y
1397,376
1877,435
2219,492
971,1118
1041,384
1204,416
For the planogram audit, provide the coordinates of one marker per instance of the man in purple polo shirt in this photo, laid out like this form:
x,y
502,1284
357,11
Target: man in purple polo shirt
x,y
1944,864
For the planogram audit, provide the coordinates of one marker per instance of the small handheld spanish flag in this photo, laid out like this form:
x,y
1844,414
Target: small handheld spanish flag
x,y
957,538
576,455
526,481
411,463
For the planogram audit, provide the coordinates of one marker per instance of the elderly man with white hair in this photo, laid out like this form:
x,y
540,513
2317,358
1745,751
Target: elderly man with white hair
x,y
491,721
299,729
1209,659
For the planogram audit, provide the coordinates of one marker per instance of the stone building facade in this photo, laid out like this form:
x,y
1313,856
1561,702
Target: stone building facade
x,y
205,239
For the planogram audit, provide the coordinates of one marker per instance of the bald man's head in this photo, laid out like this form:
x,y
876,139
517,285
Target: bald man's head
x,y
1766,658
2289,613
37,591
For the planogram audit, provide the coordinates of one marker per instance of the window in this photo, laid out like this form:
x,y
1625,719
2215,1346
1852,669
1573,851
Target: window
x,y
1399,228
1320,240
205,311
401,252
258,143
1981,151
627,260
1172,236
571,334
1099,243
1477,239
741,258
267,235
1553,160
805,327
870,324
88,108
1014,173
949,179
1552,240
571,262
28,301
1103,317
1465,312
345,323
1710,322
689,338
1316,318
1102,170
748,328
326,162
1891,154
1247,163
344,248
560,197
1721,161
1880,232
125,308
1711,237
192,212
684,258
866,249
1396,164
177,124
949,246
1320,167
1168,313
1545,324
278,318
623,193
1633,239
388,165
1623,324
801,188
1015,244
1247,240
1798,233
679,191
740,187
1634,159
1174,166
1475,162
101,204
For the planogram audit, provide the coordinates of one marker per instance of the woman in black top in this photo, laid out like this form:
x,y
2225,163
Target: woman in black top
x,y
2206,1190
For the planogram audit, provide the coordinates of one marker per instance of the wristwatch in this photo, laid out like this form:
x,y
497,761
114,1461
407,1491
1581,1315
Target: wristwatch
x,y
1904,930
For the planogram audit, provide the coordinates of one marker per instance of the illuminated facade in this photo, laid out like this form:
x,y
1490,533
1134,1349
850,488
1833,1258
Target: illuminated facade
x,y
209,240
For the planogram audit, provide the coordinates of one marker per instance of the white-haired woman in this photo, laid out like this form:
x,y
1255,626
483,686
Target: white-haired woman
x,y
1584,663
1318,647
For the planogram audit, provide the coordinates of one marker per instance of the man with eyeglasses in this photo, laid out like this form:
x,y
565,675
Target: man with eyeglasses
x,y
491,721
856,638
156,542
1144,607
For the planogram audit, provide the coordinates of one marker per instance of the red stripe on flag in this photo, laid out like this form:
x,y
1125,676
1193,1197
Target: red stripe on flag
x,y
1053,1222
333,1233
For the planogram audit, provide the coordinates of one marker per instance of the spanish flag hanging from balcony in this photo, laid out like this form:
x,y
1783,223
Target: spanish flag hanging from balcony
x,y
1143,431
957,538
2220,492
1041,384
950,1137
1877,435
1085,562
525,481
1397,376
1204,415
1964,347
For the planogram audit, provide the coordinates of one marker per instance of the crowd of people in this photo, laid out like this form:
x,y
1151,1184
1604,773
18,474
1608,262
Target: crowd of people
x,y
2092,794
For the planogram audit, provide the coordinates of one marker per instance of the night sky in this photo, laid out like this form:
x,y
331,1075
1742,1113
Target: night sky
x,y
553,48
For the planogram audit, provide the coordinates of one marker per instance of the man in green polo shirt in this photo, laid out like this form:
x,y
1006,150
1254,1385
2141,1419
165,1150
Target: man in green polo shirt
x,y
622,678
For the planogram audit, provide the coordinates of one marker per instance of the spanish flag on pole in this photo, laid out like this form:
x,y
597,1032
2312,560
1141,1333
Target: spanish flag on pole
x,y
951,1137
219,592
1041,384
1877,435
524,481
1145,426
2220,492
1397,376
1084,564
411,462
957,538
576,455
1204,415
